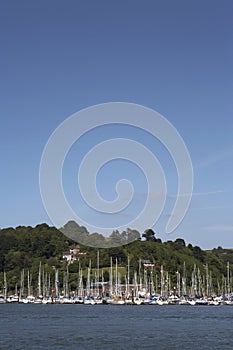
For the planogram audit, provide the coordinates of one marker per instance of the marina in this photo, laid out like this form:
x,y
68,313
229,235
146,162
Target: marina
x,y
145,287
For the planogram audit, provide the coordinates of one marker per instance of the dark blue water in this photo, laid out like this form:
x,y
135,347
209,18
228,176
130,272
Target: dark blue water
x,y
115,327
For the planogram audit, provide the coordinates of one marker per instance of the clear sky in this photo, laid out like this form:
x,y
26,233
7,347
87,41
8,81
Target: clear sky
x,y
176,57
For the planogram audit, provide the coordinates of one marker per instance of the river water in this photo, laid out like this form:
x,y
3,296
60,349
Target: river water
x,y
115,327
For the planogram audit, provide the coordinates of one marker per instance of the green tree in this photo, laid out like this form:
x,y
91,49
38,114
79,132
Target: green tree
x,y
149,235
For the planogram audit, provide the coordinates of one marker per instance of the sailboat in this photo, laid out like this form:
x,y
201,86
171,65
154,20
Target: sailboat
x,y
13,298
2,299
88,300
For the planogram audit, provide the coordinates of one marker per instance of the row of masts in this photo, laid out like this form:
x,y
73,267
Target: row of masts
x,y
142,282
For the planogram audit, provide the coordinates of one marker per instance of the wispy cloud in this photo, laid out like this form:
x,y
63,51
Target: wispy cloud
x,y
197,194
207,193
222,228
215,158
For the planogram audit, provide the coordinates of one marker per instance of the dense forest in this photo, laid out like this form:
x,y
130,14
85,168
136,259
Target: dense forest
x,y
25,248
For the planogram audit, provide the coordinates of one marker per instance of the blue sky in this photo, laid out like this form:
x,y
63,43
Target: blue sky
x,y
58,57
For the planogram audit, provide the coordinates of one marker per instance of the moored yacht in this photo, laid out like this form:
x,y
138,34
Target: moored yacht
x,y
2,299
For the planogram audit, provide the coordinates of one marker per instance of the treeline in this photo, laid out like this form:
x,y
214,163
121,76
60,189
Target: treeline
x,y
23,248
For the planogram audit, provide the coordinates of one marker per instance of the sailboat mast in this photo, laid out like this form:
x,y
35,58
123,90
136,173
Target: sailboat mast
x,y
110,278
5,285
88,286
128,272
207,280
98,277
29,283
162,281
116,279
39,281
184,292
228,279
56,283
22,284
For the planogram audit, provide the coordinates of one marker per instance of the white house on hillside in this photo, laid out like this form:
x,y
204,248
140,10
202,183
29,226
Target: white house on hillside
x,y
73,255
